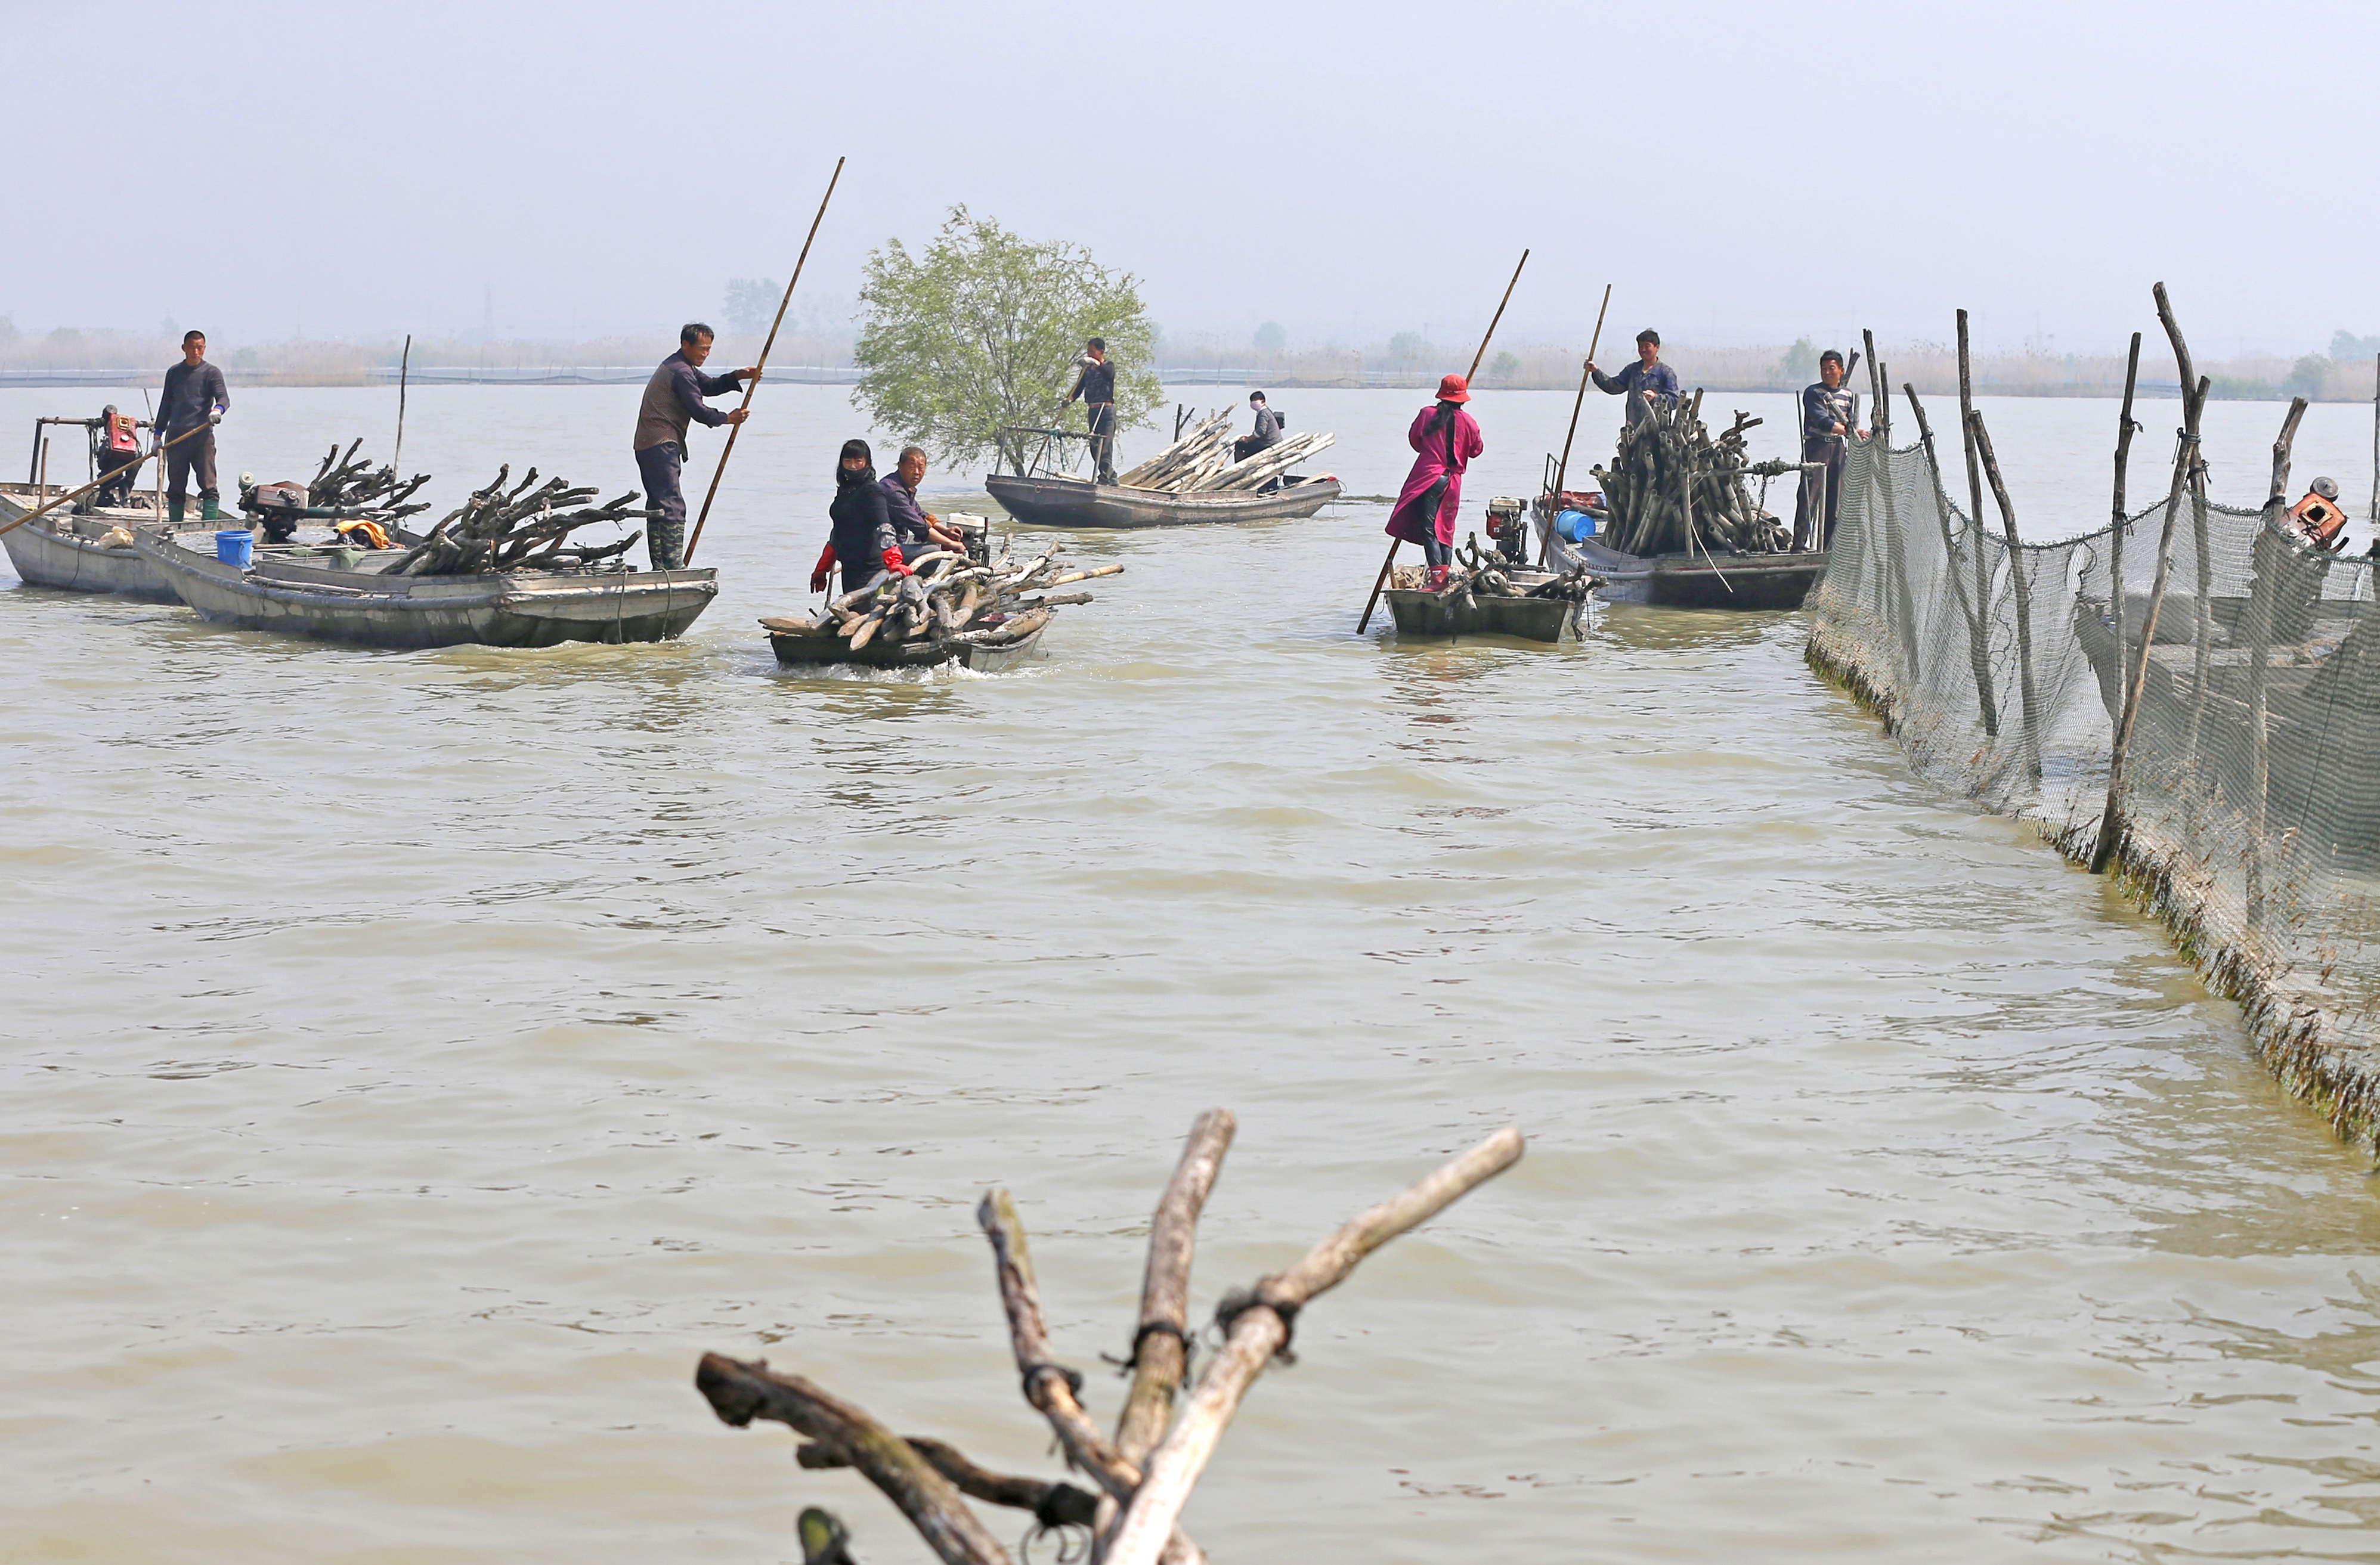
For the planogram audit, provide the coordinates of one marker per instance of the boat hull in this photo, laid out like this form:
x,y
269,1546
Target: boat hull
x,y
1697,581
798,651
1070,503
61,549
1419,613
517,609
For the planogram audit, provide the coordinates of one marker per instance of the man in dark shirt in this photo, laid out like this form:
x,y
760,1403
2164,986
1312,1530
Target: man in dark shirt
x,y
1096,386
1828,413
1266,432
1648,376
919,531
194,397
672,398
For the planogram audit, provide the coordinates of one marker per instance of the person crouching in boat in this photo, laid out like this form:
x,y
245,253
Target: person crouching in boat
x,y
862,542
919,531
1445,438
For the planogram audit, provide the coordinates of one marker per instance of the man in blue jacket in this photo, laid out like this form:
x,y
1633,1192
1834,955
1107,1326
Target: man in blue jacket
x,y
672,398
1829,414
1647,375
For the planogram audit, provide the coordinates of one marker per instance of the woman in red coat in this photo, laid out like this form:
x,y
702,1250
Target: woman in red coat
x,y
1445,438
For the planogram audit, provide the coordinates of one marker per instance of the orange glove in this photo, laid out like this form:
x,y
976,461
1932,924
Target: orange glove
x,y
826,561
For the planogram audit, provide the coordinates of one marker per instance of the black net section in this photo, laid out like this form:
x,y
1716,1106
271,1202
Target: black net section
x,y
2251,802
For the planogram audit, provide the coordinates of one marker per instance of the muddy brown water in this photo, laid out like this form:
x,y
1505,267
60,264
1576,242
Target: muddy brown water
x,y
414,1061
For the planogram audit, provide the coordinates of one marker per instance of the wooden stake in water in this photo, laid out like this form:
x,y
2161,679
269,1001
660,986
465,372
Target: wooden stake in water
x,y
754,384
2185,461
1389,563
404,370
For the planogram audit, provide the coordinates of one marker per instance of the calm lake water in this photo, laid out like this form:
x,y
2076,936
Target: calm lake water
x,y
416,1060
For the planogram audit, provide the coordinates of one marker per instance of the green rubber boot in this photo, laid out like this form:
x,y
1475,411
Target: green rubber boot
x,y
174,510
210,512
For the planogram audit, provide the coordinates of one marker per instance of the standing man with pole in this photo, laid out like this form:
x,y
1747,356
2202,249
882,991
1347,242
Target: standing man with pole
x,y
672,398
194,397
1828,414
1462,383
1096,386
1648,378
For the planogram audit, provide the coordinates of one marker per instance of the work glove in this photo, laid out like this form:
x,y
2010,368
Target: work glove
x,y
897,565
215,417
826,563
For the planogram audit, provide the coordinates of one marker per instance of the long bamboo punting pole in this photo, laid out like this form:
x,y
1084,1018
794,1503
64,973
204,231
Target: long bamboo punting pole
x,y
1388,563
159,452
754,384
404,371
1561,468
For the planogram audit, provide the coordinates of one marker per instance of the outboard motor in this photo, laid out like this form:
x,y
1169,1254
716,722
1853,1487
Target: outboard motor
x,y
1506,527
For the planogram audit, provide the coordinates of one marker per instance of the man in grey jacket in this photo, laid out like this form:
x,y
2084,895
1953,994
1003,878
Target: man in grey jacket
x,y
672,399
194,397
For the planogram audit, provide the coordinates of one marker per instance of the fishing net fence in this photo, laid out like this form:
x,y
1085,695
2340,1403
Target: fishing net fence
x,y
2251,792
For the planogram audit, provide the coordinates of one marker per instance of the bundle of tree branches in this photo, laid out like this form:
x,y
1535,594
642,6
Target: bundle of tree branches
x,y
1674,489
354,488
1201,460
1487,572
1145,1473
519,528
948,597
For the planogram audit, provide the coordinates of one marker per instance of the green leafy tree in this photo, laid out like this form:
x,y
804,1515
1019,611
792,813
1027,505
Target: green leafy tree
x,y
1502,366
1405,347
2346,345
982,331
752,304
2306,377
1800,365
1271,337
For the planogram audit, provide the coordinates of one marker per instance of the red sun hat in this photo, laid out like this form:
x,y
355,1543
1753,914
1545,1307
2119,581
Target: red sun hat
x,y
1453,388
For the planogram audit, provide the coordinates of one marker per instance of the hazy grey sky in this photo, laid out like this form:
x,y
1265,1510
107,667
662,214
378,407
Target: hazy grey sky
x,y
1742,172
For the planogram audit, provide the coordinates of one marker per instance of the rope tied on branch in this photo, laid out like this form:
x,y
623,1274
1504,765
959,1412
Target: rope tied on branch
x,y
1240,1301
1072,1378
1131,1362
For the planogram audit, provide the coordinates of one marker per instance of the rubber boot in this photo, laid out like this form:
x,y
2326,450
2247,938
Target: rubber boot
x,y
1437,579
173,505
210,512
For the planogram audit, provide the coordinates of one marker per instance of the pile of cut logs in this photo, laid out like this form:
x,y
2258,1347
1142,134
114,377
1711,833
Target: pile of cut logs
x,y
344,488
1487,572
1201,460
1144,1472
355,487
519,528
947,597
1674,487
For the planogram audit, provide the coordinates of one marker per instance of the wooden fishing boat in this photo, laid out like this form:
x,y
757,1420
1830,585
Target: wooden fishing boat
x,y
1418,613
1717,580
344,595
1056,502
65,550
816,644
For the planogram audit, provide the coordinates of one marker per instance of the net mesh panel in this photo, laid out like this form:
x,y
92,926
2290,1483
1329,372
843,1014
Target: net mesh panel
x,y
2252,800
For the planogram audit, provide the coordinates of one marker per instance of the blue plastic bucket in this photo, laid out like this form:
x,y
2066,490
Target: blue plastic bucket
x,y
1576,525
236,548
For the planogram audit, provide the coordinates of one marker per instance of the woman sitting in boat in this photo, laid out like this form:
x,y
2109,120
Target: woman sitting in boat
x,y
1445,439
862,542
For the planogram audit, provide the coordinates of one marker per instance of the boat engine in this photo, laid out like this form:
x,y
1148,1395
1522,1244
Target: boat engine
x,y
1506,527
